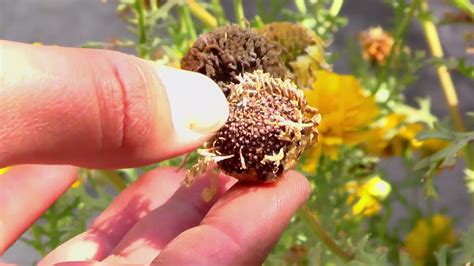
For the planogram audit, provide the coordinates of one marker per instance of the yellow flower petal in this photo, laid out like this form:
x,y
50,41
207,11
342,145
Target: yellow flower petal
x,y
4,170
76,184
428,236
346,110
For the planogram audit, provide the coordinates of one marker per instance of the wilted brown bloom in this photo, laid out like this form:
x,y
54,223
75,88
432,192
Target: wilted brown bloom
x,y
292,38
376,45
302,50
229,51
269,126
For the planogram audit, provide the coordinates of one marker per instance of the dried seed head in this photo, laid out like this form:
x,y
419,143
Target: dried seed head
x,y
376,45
269,127
229,51
302,50
292,38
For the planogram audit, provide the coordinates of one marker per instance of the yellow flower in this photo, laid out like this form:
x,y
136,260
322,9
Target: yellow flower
x,y
347,113
396,134
76,184
427,237
366,196
4,170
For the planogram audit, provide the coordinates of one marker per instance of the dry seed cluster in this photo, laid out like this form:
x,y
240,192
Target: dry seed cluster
x,y
269,124
229,51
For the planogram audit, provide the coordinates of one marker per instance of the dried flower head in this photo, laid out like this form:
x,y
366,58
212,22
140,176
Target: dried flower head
x,y
302,50
269,127
229,51
376,45
292,38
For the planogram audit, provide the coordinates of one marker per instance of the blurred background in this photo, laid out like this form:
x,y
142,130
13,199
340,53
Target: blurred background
x,y
74,22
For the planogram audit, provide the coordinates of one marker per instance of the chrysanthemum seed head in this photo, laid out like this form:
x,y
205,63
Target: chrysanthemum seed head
x,y
229,51
269,127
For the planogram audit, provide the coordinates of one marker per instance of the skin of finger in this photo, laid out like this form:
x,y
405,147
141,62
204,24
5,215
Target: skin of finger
x,y
92,108
151,191
185,209
242,227
26,191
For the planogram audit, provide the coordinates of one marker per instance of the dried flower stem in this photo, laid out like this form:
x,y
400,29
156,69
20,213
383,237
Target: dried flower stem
x,y
201,13
239,12
324,236
434,43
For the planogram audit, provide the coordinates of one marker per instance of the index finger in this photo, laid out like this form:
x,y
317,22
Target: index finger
x,y
242,227
100,109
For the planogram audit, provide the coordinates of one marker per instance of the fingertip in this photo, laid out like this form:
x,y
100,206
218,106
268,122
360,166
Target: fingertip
x,y
197,104
300,183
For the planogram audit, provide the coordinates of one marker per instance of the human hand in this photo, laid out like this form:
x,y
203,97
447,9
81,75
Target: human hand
x,y
157,220
104,109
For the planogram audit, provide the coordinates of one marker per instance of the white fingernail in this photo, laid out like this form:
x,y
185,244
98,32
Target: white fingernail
x,y
197,103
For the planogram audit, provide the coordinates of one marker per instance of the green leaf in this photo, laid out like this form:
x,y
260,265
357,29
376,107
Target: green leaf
x,y
442,256
465,252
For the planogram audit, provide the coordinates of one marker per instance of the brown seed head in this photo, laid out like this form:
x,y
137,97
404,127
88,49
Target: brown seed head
x,y
269,127
229,51
292,38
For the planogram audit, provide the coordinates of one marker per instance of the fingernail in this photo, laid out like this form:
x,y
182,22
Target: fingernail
x,y
197,103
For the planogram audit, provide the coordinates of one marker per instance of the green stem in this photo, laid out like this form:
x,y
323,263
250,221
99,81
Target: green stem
x,y
142,38
301,6
239,12
447,85
219,12
310,217
336,7
114,179
398,42
188,22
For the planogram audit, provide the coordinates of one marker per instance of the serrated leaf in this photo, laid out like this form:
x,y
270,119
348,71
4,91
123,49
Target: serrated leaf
x,y
434,134
465,252
451,150
442,256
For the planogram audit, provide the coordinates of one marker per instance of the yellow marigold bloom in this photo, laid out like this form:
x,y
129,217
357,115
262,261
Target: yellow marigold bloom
x,y
4,170
347,113
396,134
366,196
428,236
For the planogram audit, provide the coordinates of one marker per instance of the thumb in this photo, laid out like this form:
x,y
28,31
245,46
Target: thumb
x,y
97,108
